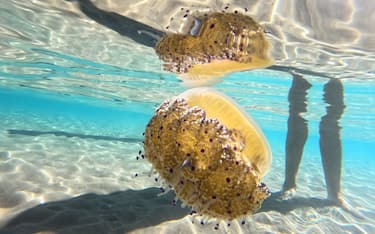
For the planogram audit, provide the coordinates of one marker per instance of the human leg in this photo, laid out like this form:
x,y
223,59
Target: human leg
x,y
330,139
297,133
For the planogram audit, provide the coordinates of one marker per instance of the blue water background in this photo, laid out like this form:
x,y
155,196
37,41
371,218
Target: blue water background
x,y
264,98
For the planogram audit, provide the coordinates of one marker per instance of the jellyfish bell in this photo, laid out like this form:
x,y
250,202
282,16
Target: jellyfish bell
x,y
210,152
227,112
214,45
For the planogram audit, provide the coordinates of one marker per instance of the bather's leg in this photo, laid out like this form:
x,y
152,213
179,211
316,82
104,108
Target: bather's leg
x,y
330,141
297,133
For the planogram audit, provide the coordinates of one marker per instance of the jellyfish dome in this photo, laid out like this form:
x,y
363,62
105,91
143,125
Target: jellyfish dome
x,y
214,45
210,152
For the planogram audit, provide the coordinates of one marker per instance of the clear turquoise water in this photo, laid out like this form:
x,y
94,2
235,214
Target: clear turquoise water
x,y
262,93
59,106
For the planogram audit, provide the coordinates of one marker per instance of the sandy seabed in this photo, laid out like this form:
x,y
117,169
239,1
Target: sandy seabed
x,y
65,182
56,183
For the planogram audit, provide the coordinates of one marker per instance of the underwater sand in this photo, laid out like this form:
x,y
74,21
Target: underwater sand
x,y
69,181
70,168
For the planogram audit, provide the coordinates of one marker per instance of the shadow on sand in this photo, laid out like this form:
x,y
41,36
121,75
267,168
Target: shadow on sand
x,y
121,212
118,212
275,203
137,31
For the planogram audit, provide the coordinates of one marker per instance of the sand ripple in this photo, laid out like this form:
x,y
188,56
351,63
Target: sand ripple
x,y
42,177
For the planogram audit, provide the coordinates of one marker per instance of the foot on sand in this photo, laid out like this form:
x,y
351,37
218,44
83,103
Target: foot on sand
x,y
287,194
340,202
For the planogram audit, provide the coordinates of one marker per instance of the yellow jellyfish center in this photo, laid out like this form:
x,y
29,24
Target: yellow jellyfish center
x,y
220,68
256,149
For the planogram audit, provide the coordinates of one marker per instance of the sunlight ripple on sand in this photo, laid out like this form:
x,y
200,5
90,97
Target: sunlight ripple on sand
x,y
75,166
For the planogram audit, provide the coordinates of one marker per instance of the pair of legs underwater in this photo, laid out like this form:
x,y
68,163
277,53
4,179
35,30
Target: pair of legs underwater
x,y
329,130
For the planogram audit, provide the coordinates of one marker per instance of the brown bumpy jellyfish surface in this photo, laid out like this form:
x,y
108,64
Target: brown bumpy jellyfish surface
x,y
218,44
210,152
